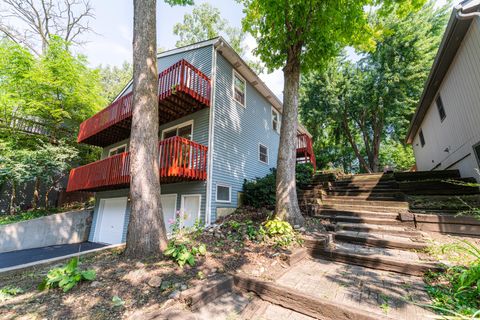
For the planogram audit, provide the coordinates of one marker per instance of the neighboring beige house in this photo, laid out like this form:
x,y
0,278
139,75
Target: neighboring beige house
x,y
445,130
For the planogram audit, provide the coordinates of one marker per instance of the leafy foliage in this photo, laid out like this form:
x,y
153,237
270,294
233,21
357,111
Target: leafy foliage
x,y
456,290
114,79
281,232
66,277
353,108
9,292
182,253
260,192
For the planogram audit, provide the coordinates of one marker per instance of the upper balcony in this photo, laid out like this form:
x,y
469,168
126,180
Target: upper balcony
x,y
182,90
179,160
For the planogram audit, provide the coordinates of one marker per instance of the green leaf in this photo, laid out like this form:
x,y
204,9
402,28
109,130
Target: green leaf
x,y
117,301
89,275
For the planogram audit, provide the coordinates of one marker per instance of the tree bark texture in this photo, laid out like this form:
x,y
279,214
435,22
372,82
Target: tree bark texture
x,y
286,193
36,194
146,234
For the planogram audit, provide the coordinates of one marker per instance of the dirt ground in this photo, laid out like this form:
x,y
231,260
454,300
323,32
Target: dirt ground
x,y
142,284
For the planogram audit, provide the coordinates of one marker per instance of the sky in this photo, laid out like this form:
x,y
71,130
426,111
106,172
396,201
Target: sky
x,y
111,44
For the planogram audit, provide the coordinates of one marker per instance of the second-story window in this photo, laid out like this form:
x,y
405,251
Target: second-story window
x,y
239,88
184,130
422,138
263,153
117,150
441,108
275,120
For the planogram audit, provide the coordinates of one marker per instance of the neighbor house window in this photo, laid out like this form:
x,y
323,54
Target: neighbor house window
x,y
239,88
117,150
223,193
422,138
263,153
440,107
275,120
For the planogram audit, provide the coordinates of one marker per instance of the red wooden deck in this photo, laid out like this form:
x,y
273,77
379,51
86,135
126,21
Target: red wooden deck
x,y
305,150
182,90
179,160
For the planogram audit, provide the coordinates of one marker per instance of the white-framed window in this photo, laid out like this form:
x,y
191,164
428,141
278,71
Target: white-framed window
x,y
184,130
275,120
239,88
263,153
117,150
224,193
422,138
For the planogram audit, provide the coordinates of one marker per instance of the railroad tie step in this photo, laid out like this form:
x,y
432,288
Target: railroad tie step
x,y
379,240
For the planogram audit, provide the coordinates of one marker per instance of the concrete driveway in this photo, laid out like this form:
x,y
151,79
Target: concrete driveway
x,y
19,257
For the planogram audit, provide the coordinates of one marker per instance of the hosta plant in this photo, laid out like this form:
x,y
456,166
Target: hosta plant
x,y
67,276
182,253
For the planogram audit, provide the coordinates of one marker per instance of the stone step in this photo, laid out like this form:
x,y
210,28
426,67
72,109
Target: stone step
x,y
362,207
361,202
368,220
380,240
358,213
353,191
374,228
366,184
393,260
366,196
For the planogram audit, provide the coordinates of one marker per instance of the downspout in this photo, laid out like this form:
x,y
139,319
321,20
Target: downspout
x,y
211,124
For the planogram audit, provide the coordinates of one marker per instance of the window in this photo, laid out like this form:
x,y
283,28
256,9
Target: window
x,y
263,153
117,150
441,109
239,88
223,193
275,120
422,138
184,130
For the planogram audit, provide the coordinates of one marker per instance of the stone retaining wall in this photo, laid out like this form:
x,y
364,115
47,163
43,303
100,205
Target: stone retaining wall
x,y
60,228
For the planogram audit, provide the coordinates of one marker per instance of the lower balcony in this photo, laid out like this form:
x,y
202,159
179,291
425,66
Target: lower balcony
x,y
179,160
305,152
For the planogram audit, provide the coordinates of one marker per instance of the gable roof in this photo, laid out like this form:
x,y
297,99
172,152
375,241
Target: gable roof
x,y
457,28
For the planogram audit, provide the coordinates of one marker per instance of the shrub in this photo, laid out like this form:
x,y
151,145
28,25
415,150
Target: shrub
x,y
66,277
8,292
183,254
281,232
456,290
260,192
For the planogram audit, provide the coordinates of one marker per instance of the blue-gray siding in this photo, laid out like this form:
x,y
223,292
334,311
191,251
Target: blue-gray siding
x,y
238,131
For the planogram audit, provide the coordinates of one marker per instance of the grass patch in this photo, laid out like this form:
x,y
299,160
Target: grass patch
x,y
456,291
457,203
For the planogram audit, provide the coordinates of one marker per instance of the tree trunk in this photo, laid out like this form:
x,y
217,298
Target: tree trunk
x,y
146,234
351,139
286,193
12,207
36,194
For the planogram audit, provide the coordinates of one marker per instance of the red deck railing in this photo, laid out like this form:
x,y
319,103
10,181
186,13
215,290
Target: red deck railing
x,y
180,77
305,149
179,160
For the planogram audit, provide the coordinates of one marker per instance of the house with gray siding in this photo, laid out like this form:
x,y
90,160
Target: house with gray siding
x,y
219,125
445,130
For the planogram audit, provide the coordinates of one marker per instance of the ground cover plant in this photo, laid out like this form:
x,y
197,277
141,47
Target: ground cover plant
x,y
66,277
455,292
37,213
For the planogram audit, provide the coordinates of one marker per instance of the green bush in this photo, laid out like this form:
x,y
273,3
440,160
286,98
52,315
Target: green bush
x,y
260,192
281,232
183,254
456,291
9,292
66,277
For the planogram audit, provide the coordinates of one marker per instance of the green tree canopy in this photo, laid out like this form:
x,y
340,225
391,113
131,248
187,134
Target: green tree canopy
x,y
114,79
372,101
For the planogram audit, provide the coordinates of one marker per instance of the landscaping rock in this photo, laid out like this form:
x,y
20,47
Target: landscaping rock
x,y
155,282
174,295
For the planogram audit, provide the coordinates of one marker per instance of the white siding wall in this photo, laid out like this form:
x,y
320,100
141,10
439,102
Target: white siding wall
x,y
460,130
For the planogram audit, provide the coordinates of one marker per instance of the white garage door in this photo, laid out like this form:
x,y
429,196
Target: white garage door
x,y
169,207
110,221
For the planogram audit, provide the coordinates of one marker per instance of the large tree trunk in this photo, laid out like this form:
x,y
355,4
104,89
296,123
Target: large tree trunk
x,y
286,201
146,234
